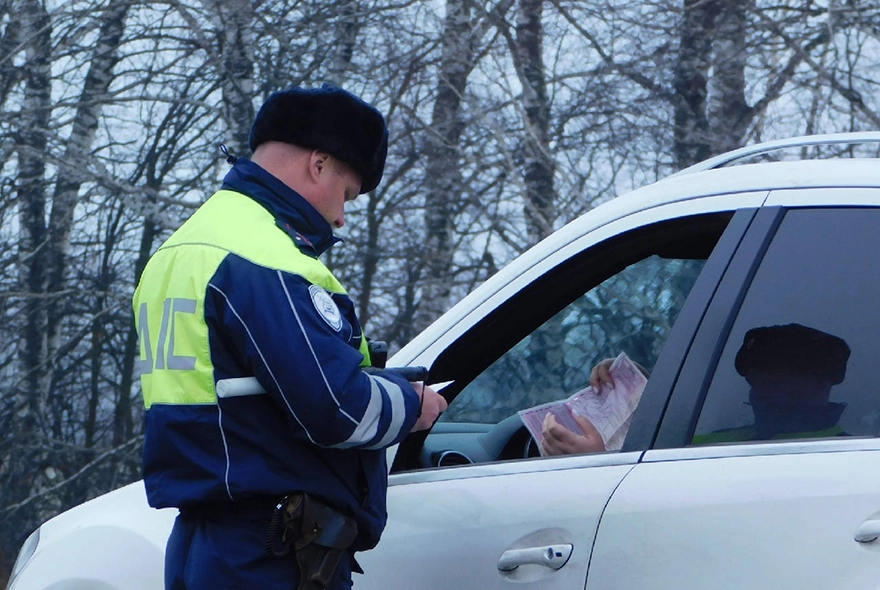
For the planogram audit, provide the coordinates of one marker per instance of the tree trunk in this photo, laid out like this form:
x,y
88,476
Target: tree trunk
x,y
729,115
528,53
100,325
234,23
29,451
345,37
546,346
123,427
31,146
443,180
371,258
691,132
71,177
10,74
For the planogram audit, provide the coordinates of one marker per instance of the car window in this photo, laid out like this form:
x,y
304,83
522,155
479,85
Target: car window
x,y
800,359
630,312
622,294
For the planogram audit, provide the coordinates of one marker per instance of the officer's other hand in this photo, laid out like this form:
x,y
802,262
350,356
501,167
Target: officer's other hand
x,y
559,440
433,404
600,376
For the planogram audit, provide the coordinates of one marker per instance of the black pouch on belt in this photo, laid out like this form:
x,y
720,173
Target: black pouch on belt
x,y
318,534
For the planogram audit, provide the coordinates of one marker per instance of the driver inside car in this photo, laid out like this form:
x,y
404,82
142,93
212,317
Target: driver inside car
x,y
790,370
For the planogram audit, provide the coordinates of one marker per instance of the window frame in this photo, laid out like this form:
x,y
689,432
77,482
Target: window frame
x,y
658,395
602,260
698,369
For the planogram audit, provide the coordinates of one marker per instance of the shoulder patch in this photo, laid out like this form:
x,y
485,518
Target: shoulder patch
x,y
326,307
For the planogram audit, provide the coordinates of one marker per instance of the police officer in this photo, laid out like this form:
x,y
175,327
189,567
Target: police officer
x,y
260,418
790,370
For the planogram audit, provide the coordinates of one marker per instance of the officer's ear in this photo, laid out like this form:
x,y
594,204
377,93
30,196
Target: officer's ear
x,y
319,162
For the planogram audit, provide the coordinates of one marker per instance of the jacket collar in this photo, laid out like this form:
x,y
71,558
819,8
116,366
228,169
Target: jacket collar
x,y
296,216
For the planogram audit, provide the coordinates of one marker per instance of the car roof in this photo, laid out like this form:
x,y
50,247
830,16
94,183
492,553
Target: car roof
x,y
692,190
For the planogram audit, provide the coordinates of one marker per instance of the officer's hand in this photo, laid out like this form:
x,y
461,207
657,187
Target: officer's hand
x,y
601,375
433,404
559,440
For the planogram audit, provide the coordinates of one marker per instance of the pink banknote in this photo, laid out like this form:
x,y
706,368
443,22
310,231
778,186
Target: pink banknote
x,y
610,409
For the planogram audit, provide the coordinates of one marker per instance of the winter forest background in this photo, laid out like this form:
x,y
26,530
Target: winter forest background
x,y
508,119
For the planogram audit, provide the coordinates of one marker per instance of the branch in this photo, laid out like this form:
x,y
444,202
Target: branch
x,y
802,54
125,447
625,70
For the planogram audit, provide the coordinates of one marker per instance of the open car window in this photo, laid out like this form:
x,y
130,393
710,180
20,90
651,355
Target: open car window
x,y
630,312
620,295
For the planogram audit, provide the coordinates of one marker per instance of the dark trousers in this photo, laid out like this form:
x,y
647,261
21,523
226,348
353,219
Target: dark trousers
x,y
222,553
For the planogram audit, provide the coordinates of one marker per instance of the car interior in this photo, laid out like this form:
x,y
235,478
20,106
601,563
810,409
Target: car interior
x,y
621,295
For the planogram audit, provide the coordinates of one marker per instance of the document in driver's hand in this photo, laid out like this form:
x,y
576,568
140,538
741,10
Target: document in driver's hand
x,y
609,409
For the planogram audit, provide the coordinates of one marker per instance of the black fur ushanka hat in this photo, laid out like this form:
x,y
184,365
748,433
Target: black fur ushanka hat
x,y
329,119
793,348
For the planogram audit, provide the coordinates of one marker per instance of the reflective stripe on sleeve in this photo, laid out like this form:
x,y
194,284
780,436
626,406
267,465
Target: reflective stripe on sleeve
x,y
239,386
398,410
369,425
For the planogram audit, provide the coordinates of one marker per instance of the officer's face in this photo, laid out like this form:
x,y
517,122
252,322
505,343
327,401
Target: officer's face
x,y
337,185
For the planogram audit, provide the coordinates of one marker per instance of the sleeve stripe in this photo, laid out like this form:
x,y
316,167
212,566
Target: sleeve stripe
x,y
239,386
398,411
369,424
262,358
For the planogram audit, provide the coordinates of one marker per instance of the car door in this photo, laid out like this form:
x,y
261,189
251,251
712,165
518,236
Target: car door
x,y
754,482
498,516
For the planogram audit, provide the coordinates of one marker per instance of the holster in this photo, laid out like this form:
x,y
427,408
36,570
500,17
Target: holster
x,y
318,535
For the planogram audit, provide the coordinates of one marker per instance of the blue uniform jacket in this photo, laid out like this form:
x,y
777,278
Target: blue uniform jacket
x,y
251,361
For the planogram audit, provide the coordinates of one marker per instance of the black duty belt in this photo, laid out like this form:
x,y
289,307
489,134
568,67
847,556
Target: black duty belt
x,y
258,507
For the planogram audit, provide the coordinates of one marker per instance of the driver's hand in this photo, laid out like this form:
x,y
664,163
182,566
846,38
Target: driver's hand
x,y
433,404
559,440
601,375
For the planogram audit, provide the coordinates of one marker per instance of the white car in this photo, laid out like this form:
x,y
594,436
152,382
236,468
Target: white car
x,y
689,277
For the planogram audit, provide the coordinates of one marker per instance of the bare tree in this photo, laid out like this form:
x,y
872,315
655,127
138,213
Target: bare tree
x,y
443,181
10,75
728,113
31,146
692,80
347,26
464,29
71,176
507,118
234,21
538,161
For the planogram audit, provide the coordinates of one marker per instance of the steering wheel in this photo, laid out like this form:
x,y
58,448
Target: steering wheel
x,y
510,439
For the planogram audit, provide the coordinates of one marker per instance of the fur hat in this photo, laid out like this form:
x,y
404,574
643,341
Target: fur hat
x,y
328,119
794,348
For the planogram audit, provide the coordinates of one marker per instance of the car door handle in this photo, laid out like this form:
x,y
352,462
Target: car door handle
x,y
868,531
552,556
